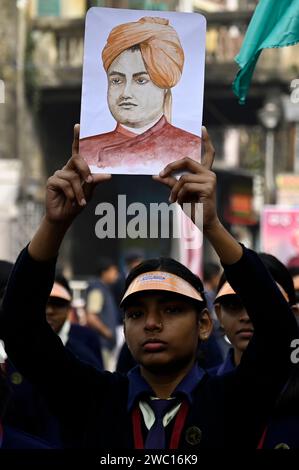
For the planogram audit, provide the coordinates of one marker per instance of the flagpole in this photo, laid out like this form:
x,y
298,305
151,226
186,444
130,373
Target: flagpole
x,y
269,167
296,165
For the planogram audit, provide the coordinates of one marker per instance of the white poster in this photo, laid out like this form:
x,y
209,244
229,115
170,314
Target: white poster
x,y
142,91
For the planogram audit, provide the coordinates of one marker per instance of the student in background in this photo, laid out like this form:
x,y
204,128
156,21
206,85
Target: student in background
x,y
234,318
29,411
211,278
102,311
11,437
80,340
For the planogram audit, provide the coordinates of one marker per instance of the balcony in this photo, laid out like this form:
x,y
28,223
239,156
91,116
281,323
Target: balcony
x,y
225,35
57,51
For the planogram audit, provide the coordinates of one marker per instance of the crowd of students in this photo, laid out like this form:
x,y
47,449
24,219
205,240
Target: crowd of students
x,y
166,398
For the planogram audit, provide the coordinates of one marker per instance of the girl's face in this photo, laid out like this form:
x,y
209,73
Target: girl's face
x,y
162,330
57,311
235,321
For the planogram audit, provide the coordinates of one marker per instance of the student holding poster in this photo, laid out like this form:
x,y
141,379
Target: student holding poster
x,y
165,317
143,61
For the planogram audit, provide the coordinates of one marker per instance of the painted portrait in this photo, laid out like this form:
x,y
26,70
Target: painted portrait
x,y
143,63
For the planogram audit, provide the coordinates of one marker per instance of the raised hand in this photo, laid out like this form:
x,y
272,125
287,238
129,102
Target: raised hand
x,y
196,186
69,189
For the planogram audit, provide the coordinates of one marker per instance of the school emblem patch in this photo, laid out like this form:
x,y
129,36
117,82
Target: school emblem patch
x,y
193,435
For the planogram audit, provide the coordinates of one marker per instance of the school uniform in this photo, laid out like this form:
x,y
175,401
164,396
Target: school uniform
x,y
85,344
28,411
13,439
209,352
100,301
228,411
228,365
281,433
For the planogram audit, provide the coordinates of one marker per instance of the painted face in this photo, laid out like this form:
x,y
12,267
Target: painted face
x,y
235,321
57,311
133,99
161,330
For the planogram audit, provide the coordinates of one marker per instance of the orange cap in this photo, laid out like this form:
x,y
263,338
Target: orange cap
x,y
227,289
60,292
160,280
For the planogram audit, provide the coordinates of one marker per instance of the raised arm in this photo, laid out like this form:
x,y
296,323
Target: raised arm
x,y
199,187
29,340
273,321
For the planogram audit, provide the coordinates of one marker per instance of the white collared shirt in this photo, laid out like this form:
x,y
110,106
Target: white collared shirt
x,y
149,415
64,332
3,355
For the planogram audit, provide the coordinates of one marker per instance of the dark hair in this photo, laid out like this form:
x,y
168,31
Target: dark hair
x,y
210,270
280,274
133,255
294,271
278,271
5,270
104,263
171,266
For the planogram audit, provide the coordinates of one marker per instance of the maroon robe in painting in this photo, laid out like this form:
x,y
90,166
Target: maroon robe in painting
x,y
122,151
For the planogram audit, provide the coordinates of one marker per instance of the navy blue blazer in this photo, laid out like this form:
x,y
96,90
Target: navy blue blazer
x,y
227,365
85,344
14,439
28,411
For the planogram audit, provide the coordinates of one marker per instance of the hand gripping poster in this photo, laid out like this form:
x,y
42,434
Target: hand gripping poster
x,y
142,90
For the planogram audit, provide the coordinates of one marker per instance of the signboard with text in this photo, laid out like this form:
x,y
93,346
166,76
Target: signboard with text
x,y
280,232
287,189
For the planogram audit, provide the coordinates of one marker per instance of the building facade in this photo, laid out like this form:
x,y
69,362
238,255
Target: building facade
x,y
53,71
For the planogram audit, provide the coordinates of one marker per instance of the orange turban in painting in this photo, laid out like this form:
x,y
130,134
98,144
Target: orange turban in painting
x,y
159,44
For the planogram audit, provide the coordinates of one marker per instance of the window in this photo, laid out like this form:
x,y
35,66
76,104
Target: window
x,y
150,4
49,7
96,3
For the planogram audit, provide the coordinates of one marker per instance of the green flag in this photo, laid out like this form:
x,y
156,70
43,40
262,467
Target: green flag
x,y
275,23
